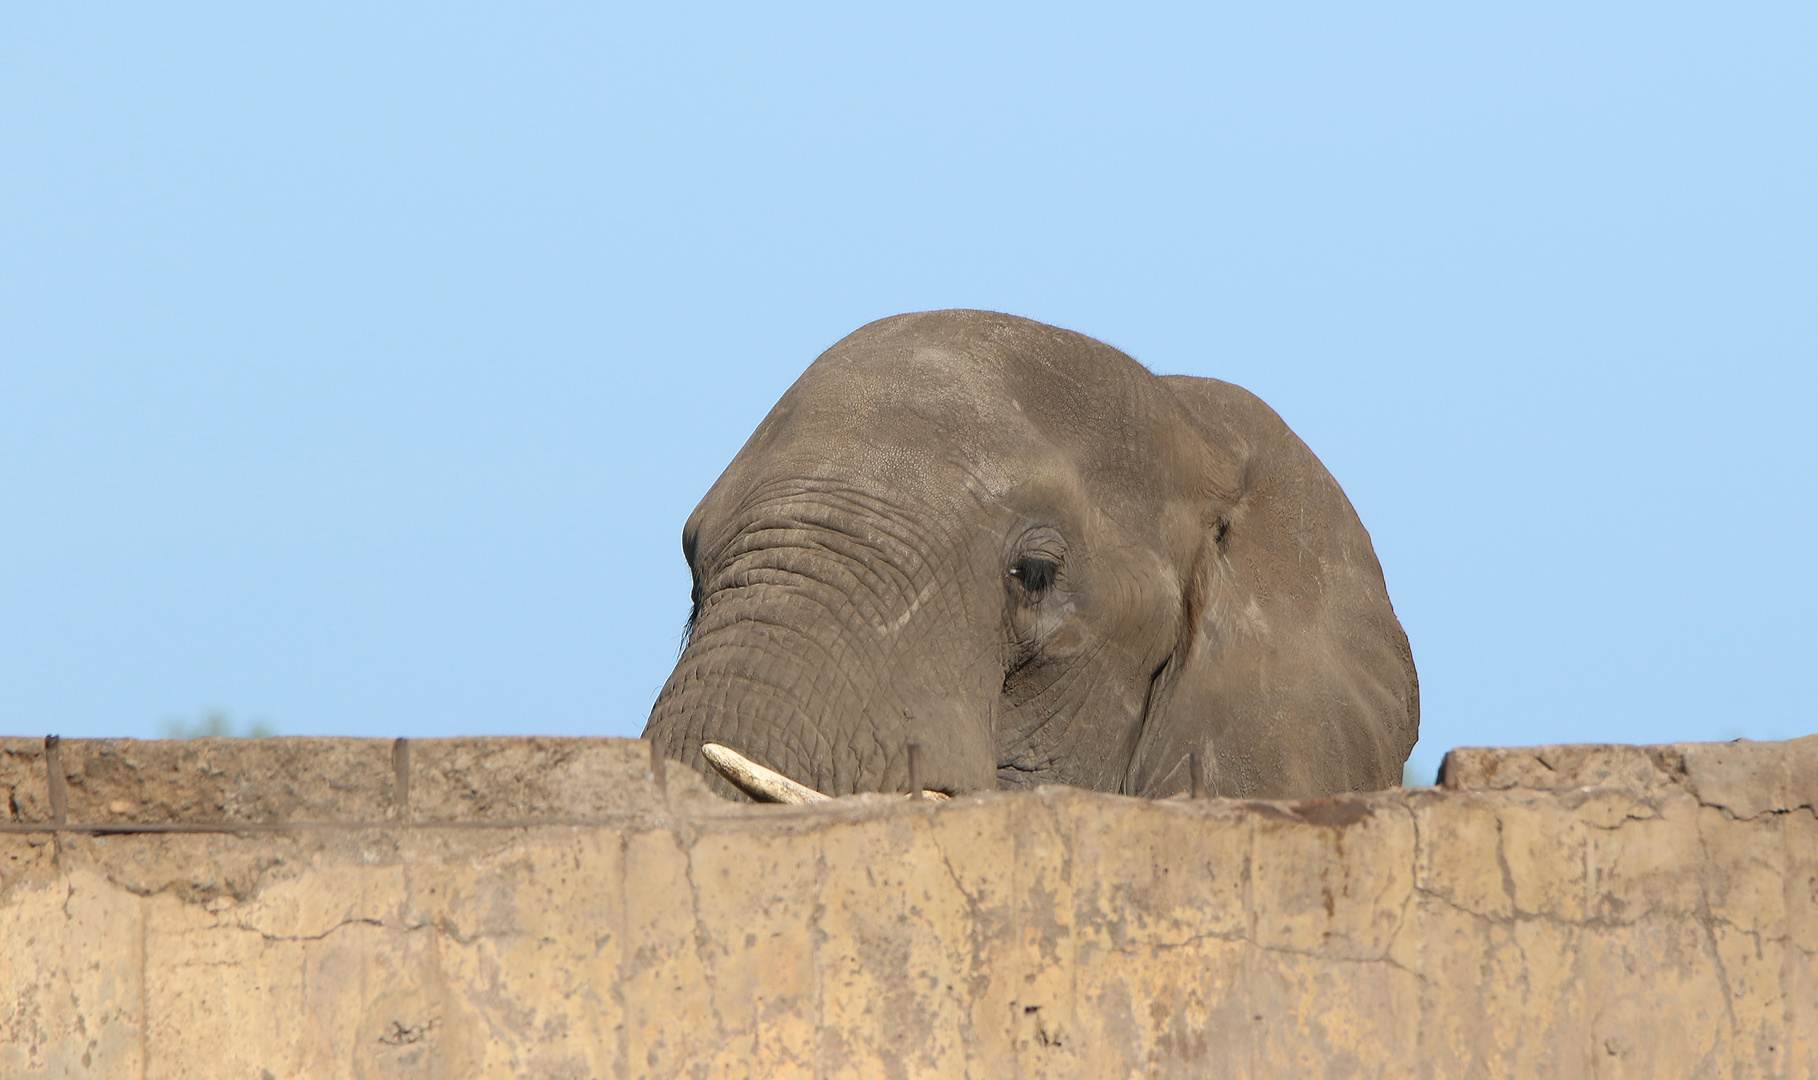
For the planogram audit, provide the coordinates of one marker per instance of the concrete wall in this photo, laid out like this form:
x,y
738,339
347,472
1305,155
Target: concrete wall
x,y
551,908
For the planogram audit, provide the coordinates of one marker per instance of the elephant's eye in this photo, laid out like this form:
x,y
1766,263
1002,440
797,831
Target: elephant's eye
x,y
1035,574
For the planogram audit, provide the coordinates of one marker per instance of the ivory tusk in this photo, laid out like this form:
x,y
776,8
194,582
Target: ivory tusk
x,y
768,785
764,785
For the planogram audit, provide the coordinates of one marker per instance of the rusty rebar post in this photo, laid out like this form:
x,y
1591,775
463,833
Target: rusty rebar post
x,y
400,784
53,769
915,771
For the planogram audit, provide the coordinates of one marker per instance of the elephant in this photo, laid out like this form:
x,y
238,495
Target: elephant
x,y
1002,554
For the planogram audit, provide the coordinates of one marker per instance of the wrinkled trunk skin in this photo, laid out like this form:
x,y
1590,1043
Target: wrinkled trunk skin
x,y
823,646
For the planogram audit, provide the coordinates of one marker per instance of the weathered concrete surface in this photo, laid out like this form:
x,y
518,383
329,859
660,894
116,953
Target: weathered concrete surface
x,y
549,908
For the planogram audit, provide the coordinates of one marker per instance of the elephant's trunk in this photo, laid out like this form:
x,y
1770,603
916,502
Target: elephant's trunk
x,y
824,667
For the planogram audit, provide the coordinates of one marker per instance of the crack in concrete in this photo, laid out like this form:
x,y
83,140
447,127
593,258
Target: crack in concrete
x,y
271,938
702,936
1149,946
972,902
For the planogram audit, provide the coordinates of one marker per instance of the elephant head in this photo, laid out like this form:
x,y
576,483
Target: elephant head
x,y
1017,548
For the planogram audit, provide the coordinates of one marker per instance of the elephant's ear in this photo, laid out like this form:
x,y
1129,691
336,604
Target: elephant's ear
x,y
1293,676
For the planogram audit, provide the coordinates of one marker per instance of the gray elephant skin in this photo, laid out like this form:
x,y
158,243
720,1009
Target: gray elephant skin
x,y
1017,548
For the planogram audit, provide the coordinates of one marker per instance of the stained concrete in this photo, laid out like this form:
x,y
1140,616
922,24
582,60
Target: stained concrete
x,y
556,908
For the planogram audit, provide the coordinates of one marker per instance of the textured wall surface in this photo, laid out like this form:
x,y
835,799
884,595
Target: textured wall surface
x,y
554,908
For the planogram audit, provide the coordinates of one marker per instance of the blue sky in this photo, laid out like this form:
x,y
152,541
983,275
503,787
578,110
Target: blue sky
x,y
358,367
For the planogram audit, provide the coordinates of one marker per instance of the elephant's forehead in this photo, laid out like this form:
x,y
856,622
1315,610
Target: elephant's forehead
x,y
911,424
1031,418
904,392
934,402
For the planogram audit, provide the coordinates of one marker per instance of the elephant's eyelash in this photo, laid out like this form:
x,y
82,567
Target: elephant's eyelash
x,y
1035,574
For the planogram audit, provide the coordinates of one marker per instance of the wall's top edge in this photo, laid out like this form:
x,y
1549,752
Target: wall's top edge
x,y
1745,778
364,783
326,781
